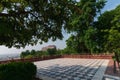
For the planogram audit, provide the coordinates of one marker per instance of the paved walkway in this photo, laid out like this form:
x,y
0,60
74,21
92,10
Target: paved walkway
x,y
110,69
109,74
72,69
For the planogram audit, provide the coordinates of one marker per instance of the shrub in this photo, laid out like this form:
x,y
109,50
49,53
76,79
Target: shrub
x,y
33,52
29,56
17,71
25,53
68,51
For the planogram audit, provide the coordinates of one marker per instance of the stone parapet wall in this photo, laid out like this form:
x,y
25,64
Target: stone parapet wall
x,y
59,56
89,56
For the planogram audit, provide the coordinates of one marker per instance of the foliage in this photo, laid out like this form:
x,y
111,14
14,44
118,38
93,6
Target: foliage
x,y
24,53
59,51
116,56
100,35
52,51
34,54
102,26
114,32
68,51
49,52
74,45
17,71
113,40
82,26
90,40
117,51
109,28
26,22
28,56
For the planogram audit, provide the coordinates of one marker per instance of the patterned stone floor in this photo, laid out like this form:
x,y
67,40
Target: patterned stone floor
x,y
109,77
71,69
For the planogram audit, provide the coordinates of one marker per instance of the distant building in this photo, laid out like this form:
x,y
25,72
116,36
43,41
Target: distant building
x,y
48,47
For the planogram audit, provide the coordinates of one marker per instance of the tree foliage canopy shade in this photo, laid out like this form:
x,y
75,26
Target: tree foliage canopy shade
x,y
113,30
82,26
101,35
24,22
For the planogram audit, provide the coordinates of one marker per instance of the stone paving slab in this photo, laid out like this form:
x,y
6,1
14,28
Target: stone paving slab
x,y
71,69
100,73
109,77
110,69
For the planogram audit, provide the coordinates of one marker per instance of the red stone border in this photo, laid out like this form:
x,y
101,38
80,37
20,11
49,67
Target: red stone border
x,y
59,56
88,56
31,59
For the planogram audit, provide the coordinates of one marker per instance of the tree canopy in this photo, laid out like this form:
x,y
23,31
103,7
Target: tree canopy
x,y
102,35
82,25
112,30
24,22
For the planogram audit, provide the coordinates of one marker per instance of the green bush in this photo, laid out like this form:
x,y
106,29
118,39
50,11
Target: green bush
x,y
17,71
68,51
29,56
25,53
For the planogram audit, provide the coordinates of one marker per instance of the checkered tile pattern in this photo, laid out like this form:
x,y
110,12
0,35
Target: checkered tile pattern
x,y
69,69
108,77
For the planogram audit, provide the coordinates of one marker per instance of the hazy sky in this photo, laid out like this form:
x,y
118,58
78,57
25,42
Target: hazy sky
x,y
111,4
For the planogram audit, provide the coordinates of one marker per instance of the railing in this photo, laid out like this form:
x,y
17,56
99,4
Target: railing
x,y
59,56
31,59
89,56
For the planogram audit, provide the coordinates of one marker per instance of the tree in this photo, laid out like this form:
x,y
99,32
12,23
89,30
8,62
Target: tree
x,y
24,22
24,54
74,45
91,40
96,35
33,52
51,51
109,30
83,25
103,25
113,39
